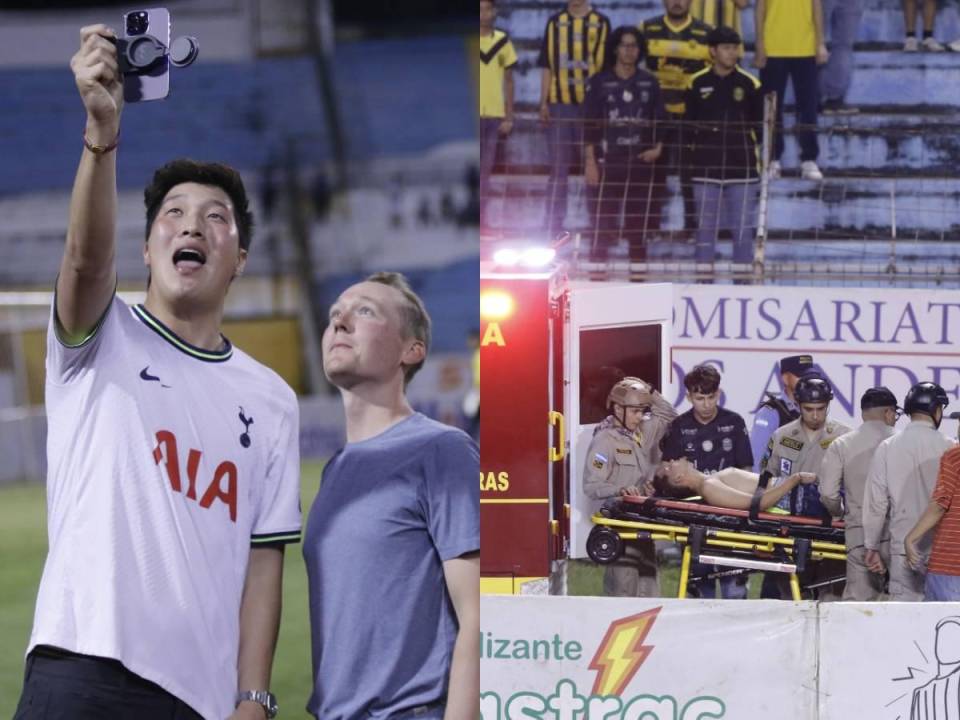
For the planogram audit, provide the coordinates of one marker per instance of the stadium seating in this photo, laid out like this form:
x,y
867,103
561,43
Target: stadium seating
x,y
890,166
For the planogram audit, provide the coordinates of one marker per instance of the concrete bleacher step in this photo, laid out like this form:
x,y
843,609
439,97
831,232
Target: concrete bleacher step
x,y
898,145
881,20
856,207
885,76
887,168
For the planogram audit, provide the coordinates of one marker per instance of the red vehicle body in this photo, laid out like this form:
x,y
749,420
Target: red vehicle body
x,y
548,349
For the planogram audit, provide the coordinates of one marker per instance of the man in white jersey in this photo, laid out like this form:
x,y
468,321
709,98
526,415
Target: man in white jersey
x,y
392,540
173,463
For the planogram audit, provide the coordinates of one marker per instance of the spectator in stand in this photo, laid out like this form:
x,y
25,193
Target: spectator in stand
x,y
943,571
497,58
720,12
841,19
624,118
790,47
571,53
676,50
724,113
929,43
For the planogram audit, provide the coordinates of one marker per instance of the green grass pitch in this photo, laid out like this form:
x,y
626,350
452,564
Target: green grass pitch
x,y
23,547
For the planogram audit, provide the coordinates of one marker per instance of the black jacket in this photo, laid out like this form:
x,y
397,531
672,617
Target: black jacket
x,y
623,117
725,116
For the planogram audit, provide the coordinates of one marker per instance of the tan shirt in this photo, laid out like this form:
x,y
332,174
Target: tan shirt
x,y
900,481
792,450
615,461
845,466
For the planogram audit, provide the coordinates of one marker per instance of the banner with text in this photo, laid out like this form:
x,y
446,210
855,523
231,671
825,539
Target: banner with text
x,y
584,658
572,658
860,337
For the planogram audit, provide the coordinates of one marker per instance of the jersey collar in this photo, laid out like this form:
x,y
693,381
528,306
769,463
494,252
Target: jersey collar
x,y
677,28
179,343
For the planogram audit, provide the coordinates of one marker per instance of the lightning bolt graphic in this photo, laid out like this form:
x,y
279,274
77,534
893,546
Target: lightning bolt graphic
x,y
622,652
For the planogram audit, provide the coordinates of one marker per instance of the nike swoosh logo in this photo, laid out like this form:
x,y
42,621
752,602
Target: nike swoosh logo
x,y
145,375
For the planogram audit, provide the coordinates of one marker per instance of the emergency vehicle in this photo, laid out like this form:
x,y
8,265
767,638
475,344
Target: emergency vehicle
x,y
550,349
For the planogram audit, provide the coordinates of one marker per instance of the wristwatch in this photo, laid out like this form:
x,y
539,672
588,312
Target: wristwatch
x,y
264,697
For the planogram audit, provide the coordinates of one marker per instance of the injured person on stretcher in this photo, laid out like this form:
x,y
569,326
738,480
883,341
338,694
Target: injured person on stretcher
x,y
729,488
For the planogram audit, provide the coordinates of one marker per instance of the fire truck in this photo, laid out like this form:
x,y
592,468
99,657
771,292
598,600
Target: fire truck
x,y
550,349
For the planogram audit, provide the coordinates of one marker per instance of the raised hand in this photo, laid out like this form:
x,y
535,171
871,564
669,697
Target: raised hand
x,y
99,81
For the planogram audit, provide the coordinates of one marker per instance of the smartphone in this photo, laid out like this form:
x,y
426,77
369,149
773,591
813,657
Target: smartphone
x,y
154,83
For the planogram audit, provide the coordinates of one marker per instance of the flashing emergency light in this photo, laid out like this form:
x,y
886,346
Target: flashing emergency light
x,y
538,256
507,257
531,257
495,305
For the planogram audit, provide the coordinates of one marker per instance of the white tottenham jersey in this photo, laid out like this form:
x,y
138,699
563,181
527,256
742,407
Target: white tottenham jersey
x,y
165,462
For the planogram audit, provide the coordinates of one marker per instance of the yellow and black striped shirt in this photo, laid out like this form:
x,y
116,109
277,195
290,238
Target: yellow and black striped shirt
x,y
674,54
573,49
717,13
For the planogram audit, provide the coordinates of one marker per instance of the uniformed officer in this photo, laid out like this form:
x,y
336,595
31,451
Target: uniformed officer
x,y
624,120
712,438
843,479
621,460
799,446
900,481
777,410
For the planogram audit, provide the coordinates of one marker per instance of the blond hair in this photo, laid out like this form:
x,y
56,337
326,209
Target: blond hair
x,y
415,316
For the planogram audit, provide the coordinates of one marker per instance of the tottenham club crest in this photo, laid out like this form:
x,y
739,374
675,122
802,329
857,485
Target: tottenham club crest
x,y
247,422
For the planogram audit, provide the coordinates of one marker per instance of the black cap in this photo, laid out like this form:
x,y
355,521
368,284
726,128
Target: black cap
x,y
877,397
723,35
796,364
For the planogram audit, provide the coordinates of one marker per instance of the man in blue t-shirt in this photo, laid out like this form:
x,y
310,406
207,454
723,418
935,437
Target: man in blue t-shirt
x,y
393,538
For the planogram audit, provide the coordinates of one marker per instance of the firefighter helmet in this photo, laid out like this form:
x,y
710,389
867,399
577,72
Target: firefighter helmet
x,y
630,392
812,389
925,398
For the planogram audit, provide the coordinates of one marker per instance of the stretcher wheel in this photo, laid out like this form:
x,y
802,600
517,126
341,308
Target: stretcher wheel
x,y
604,545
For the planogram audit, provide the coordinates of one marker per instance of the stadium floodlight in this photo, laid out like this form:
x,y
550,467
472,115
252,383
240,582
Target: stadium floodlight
x,y
537,257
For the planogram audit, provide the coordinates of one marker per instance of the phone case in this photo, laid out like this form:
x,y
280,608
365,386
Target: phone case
x,y
155,83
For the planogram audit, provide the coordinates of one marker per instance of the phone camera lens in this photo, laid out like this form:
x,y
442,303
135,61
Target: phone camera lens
x,y
137,23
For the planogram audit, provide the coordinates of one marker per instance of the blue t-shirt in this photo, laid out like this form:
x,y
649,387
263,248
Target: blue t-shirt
x,y
389,512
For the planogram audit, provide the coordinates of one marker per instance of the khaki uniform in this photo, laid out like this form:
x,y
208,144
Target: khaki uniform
x,y
900,481
844,467
789,451
616,460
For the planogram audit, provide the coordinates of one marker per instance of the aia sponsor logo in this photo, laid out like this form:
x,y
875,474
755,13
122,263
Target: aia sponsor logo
x,y
222,487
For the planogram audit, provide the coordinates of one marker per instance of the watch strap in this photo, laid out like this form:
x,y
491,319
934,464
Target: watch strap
x,y
262,697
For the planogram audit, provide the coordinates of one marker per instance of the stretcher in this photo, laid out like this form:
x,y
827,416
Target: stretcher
x,y
747,540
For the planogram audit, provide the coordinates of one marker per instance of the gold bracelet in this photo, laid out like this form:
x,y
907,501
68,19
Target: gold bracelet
x,y
100,149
